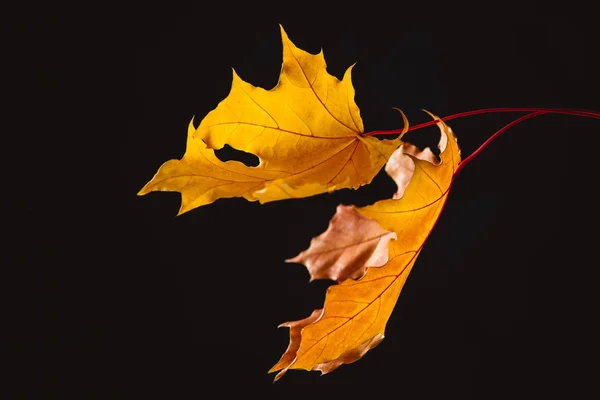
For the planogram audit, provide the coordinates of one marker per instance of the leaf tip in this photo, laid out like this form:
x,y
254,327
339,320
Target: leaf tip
x,y
278,376
148,187
436,118
348,74
404,121
183,209
143,190
284,36
235,74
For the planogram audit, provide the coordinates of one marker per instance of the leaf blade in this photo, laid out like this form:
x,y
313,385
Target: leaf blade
x,y
356,312
306,132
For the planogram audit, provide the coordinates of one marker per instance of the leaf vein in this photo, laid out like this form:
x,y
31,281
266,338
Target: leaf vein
x,y
315,93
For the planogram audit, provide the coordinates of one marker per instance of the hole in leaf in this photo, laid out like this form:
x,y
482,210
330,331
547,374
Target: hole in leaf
x,y
228,153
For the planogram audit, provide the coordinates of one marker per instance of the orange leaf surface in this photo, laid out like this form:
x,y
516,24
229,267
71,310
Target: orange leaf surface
x,y
356,312
306,132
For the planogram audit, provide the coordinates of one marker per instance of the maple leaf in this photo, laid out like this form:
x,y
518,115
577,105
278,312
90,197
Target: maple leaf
x,y
350,243
356,312
306,132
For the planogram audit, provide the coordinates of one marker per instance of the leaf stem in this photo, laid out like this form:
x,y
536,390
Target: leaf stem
x,y
533,112
494,136
567,111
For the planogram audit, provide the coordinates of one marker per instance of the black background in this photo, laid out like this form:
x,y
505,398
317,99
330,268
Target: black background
x,y
118,298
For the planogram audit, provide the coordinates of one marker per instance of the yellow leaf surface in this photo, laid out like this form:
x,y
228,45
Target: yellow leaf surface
x,y
356,312
306,132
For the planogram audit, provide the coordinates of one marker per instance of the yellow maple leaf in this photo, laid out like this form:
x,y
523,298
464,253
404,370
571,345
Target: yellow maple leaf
x,y
356,312
306,132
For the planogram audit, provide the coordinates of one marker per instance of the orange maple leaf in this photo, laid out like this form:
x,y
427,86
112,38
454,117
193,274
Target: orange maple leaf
x,y
356,312
306,132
